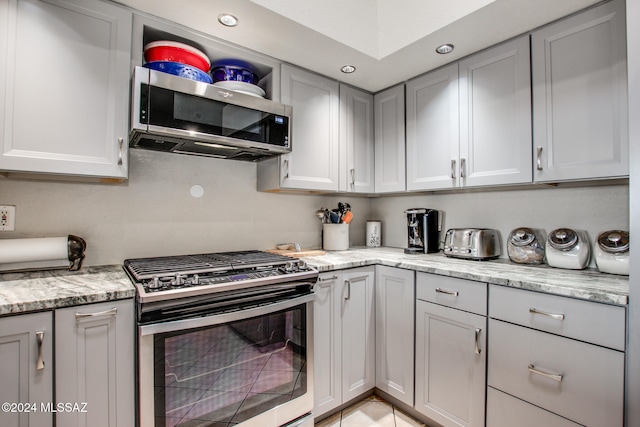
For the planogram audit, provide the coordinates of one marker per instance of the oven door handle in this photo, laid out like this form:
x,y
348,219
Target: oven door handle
x,y
216,319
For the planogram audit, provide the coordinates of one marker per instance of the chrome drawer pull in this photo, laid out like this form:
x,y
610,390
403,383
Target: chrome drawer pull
x,y
478,330
120,144
39,339
539,158
453,169
348,283
444,291
111,312
555,377
327,279
534,310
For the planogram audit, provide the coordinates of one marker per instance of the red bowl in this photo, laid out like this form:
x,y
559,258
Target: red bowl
x,y
165,50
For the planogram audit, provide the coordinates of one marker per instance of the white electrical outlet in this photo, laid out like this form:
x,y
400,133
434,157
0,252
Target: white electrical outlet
x,y
7,218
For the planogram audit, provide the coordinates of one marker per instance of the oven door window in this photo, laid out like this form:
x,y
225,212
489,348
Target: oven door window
x,y
225,374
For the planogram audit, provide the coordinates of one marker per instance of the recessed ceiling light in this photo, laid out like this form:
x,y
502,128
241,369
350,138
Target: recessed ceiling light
x,y
444,49
348,69
228,20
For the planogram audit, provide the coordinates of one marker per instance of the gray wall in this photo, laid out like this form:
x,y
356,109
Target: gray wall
x,y
154,213
633,349
593,209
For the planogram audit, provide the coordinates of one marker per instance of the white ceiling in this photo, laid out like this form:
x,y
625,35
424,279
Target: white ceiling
x,y
388,41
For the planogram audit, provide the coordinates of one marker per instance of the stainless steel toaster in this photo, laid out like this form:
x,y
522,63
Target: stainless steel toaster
x,y
472,243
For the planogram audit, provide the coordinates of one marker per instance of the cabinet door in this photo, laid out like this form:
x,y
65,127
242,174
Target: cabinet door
x,y
390,140
450,365
313,163
580,96
327,326
395,320
432,130
94,363
67,100
495,116
25,341
358,332
356,140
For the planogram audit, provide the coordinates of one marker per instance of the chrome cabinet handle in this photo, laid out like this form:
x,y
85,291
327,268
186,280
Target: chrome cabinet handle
x,y
539,158
534,310
453,168
327,279
463,165
111,312
348,283
478,330
444,291
555,377
286,168
120,145
353,177
40,339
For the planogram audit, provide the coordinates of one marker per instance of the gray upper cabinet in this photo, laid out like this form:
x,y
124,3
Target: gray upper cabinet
x,y
389,108
356,141
469,123
26,349
69,117
95,363
432,130
495,116
314,162
580,96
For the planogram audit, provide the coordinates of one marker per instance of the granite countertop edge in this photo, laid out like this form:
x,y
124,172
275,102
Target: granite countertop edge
x,y
587,284
50,289
32,291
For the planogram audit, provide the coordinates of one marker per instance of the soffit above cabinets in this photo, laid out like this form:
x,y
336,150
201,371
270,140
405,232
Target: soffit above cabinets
x,y
388,41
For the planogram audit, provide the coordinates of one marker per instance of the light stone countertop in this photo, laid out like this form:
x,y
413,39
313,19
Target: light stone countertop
x,y
49,289
584,284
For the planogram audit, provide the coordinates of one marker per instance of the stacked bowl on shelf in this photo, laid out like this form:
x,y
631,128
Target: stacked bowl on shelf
x,y
179,59
186,61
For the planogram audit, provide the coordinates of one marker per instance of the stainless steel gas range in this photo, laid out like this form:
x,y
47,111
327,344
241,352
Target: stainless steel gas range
x,y
224,339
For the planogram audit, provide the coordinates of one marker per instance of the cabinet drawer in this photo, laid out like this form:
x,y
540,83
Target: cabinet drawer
x,y
592,322
462,294
589,388
504,410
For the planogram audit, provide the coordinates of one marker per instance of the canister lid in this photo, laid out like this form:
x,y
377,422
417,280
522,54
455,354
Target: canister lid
x,y
563,239
614,241
522,236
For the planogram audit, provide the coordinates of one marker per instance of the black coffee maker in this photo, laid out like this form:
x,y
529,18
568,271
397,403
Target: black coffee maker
x,y
423,231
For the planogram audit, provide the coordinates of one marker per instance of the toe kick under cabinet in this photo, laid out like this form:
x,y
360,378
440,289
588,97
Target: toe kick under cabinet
x,y
554,358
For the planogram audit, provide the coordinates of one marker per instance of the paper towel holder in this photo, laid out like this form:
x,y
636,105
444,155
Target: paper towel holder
x,y
76,246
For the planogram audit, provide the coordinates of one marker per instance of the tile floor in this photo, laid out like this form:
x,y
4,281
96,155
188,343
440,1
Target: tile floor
x,y
370,412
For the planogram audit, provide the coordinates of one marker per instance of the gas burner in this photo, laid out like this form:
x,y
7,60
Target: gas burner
x,y
167,278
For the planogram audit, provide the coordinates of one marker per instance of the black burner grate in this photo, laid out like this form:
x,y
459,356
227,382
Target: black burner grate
x,y
147,268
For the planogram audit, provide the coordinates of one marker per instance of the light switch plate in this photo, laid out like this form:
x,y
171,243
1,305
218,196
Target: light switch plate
x,y
7,218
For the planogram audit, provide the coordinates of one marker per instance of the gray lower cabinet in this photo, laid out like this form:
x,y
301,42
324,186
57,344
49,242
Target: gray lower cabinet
x,y
26,371
564,356
450,350
344,337
95,363
504,410
395,315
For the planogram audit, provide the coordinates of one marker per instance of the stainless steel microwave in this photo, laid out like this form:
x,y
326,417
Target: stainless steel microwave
x,y
179,115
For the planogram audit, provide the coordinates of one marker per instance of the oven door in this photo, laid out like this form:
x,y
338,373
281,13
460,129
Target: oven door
x,y
251,367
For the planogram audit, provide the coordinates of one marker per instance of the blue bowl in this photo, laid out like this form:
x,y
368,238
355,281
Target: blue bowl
x,y
234,70
179,69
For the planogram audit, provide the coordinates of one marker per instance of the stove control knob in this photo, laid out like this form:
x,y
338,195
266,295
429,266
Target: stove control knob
x,y
302,265
179,280
155,284
195,280
290,267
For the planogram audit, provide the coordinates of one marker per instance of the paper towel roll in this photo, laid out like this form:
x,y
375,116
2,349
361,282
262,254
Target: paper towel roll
x,y
37,249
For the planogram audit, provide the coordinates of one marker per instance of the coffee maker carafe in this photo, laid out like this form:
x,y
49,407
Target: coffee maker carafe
x,y
423,231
